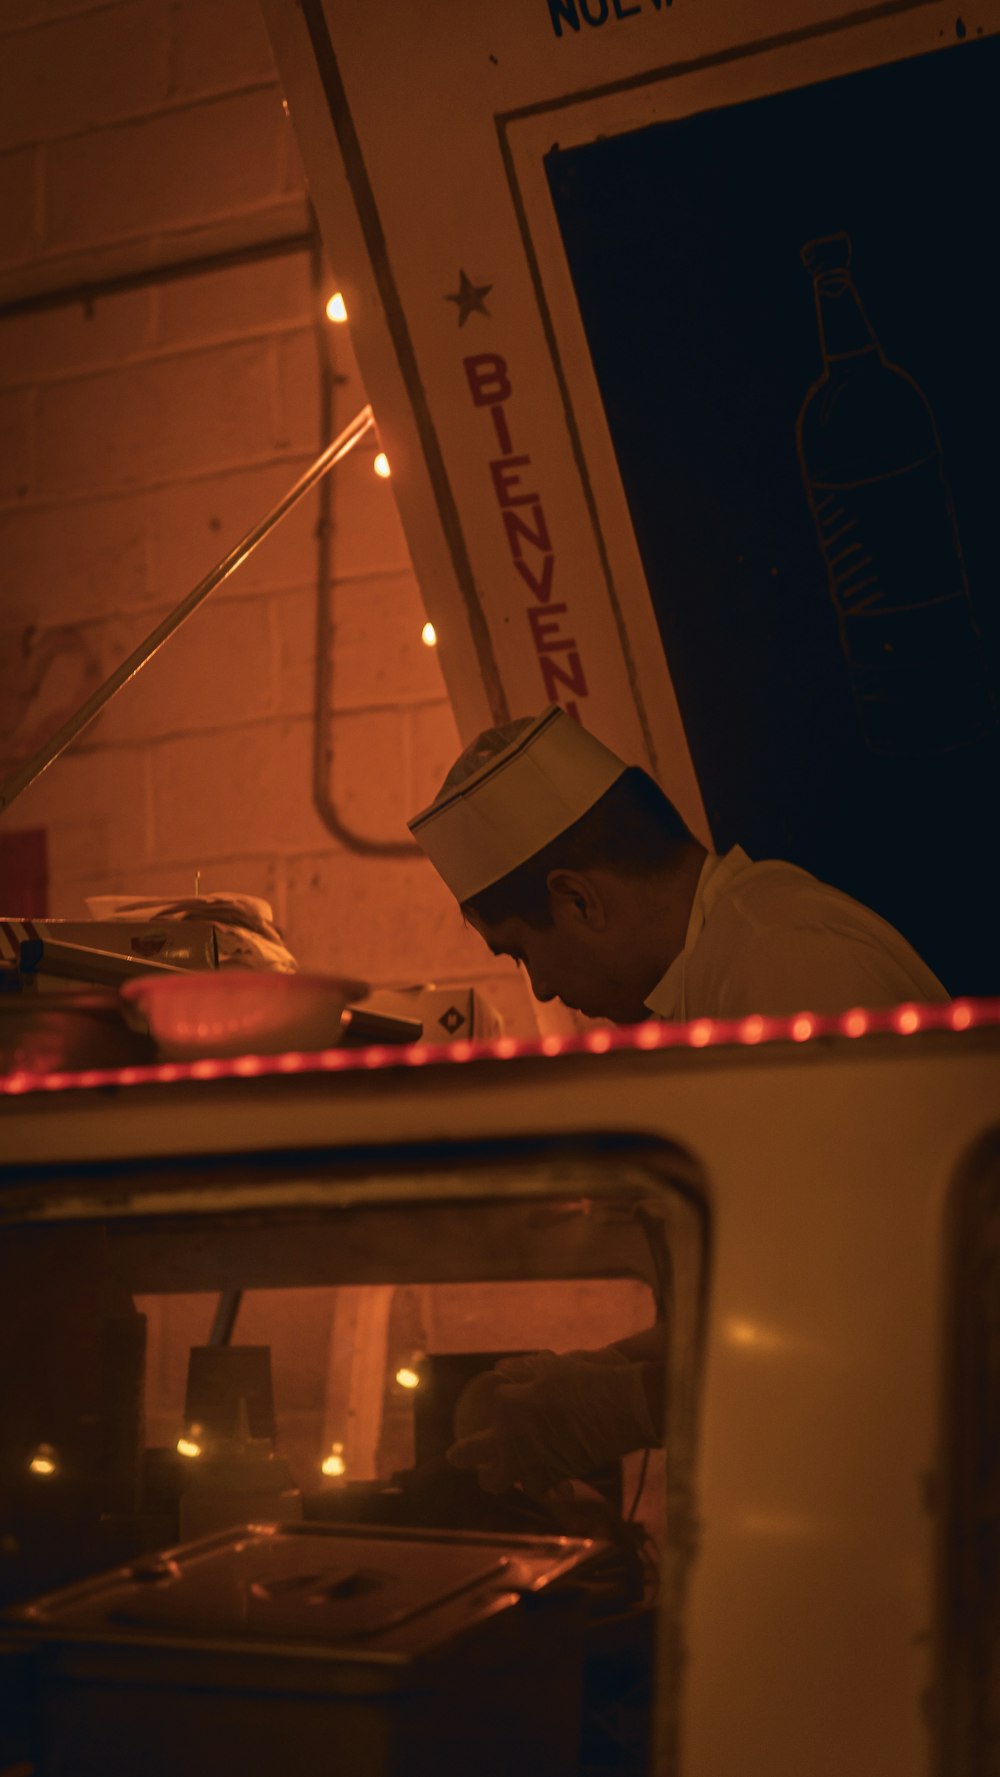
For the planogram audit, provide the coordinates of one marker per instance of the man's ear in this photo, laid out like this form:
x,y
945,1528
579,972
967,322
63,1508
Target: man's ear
x,y
576,900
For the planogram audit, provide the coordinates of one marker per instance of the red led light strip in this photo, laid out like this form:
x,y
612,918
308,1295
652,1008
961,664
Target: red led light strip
x,y
803,1027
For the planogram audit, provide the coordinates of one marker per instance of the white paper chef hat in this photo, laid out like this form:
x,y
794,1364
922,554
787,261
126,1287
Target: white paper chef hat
x,y
530,789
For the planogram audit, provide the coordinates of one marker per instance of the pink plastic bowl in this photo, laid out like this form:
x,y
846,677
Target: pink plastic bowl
x,y
239,1012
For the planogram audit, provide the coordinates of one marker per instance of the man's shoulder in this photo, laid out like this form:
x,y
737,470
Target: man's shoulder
x,y
773,892
777,939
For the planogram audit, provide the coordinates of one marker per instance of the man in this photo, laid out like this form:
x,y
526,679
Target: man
x,y
579,867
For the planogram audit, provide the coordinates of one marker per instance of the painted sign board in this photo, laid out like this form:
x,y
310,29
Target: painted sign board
x,y
599,257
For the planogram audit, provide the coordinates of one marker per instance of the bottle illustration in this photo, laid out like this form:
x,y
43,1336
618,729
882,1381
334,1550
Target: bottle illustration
x,y
873,471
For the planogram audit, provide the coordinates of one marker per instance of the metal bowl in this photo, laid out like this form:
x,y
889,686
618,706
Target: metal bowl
x,y
239,1012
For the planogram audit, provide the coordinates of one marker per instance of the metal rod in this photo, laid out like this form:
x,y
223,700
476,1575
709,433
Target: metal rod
x,y
26,774
227,1309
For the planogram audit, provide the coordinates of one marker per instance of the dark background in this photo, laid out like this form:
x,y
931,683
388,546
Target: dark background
x,y
684,243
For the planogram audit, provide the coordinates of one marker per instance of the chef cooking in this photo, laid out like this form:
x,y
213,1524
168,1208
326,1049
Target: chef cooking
x,y
578,867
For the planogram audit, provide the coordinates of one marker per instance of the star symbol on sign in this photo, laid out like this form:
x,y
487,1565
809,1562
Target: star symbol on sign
x,y
470,298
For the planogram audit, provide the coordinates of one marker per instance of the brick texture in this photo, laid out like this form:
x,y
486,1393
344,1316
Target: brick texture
x,y
153,420
216,47
16,452
141,438
297,392
395,921
74,74
68,342
361,750
377,656
95,809
214,794
222,305
19,14
249,875
182,689
169,170
192,525
17,204
45,674
368,537
59,564
435,745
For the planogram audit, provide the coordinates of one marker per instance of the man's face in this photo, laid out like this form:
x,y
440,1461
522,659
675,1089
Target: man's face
x,y
564,962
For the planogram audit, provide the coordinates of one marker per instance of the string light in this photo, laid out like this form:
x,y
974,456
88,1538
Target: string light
x,y
43,1462
381,466
428,635
407,1378
904,1021
334,1464
336,308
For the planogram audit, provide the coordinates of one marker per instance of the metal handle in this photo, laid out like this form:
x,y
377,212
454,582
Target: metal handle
x,y
26,774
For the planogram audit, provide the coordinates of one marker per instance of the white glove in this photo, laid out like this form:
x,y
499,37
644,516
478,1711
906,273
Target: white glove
x,y
537,1421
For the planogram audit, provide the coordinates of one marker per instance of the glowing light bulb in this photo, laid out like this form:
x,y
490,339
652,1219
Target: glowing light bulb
x,y
381,465
334,1464
43,1461
907,1020
336,308
429,636
407,1378
188,1447
753,1336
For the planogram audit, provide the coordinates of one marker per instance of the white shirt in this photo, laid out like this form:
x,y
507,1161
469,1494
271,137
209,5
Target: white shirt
x,y
770,938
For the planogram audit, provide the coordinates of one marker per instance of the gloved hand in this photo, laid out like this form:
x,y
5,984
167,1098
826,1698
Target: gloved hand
x,y
539,1420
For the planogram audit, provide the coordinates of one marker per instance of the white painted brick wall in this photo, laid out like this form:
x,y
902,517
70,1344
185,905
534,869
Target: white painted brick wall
x,y
140,438
74,74
18,205
69,563
217,47
192,165
70,342
152,422
16,443
226,304
186,688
